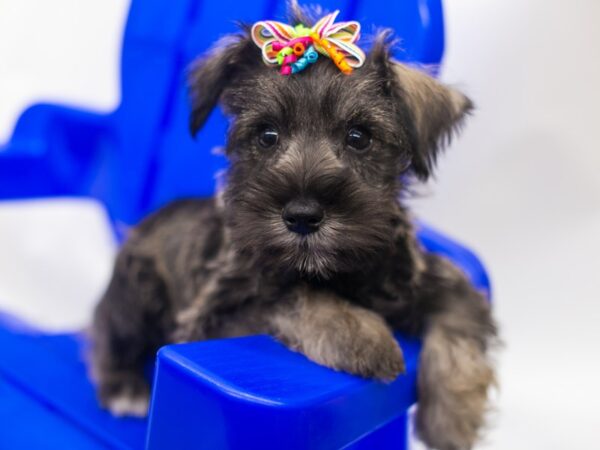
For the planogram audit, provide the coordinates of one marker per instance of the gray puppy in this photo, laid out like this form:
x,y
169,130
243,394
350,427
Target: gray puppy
x,y
308,241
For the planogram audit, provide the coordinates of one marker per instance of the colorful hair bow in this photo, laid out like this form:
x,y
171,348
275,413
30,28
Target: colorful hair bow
x,y
294,48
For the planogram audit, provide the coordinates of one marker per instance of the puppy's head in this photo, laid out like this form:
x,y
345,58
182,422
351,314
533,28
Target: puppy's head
x,y
318,158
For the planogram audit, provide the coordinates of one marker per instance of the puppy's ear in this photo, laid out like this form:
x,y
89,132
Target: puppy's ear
x,y
437,111
212,73
433,110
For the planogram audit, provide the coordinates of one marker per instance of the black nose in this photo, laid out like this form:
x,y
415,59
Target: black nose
x,y
303,216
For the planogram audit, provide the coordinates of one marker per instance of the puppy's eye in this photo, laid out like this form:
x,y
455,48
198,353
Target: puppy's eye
x,y
358,138
268,137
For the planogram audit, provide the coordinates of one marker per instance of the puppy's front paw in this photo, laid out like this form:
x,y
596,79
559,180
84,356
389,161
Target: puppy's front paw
x,y
359,343
381,359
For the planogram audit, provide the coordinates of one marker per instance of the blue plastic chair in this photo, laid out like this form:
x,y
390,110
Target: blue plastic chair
x,y
236,393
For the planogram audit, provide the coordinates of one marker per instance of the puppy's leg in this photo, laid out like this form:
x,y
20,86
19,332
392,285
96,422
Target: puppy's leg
x,y
337,334
126,330
455,371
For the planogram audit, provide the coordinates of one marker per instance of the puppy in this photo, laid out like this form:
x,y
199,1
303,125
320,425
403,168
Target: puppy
x,y
309,240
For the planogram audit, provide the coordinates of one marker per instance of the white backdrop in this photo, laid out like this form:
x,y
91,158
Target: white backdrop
x,y
521,186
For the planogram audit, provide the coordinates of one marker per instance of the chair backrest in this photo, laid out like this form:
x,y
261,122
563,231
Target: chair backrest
x,y
158,160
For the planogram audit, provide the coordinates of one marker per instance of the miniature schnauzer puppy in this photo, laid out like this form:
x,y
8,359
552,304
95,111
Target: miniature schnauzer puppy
x,y
309,240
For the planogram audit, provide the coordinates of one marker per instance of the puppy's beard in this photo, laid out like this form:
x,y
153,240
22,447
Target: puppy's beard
x,y
275,248
337,247
310,255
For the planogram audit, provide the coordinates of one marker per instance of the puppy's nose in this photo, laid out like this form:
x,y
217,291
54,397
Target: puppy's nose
x,y
303,216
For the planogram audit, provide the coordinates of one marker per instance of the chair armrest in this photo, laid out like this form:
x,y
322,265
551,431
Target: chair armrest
x,y
233,393
50,151
435,242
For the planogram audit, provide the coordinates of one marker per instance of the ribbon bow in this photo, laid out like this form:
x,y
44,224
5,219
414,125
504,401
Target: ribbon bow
x,y
294,48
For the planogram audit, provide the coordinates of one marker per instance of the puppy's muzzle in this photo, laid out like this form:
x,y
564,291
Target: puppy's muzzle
x,y
303,216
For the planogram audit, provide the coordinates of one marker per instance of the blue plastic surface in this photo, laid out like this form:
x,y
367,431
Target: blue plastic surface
x,y
245,393
47,399
240,393
255,393
435,242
